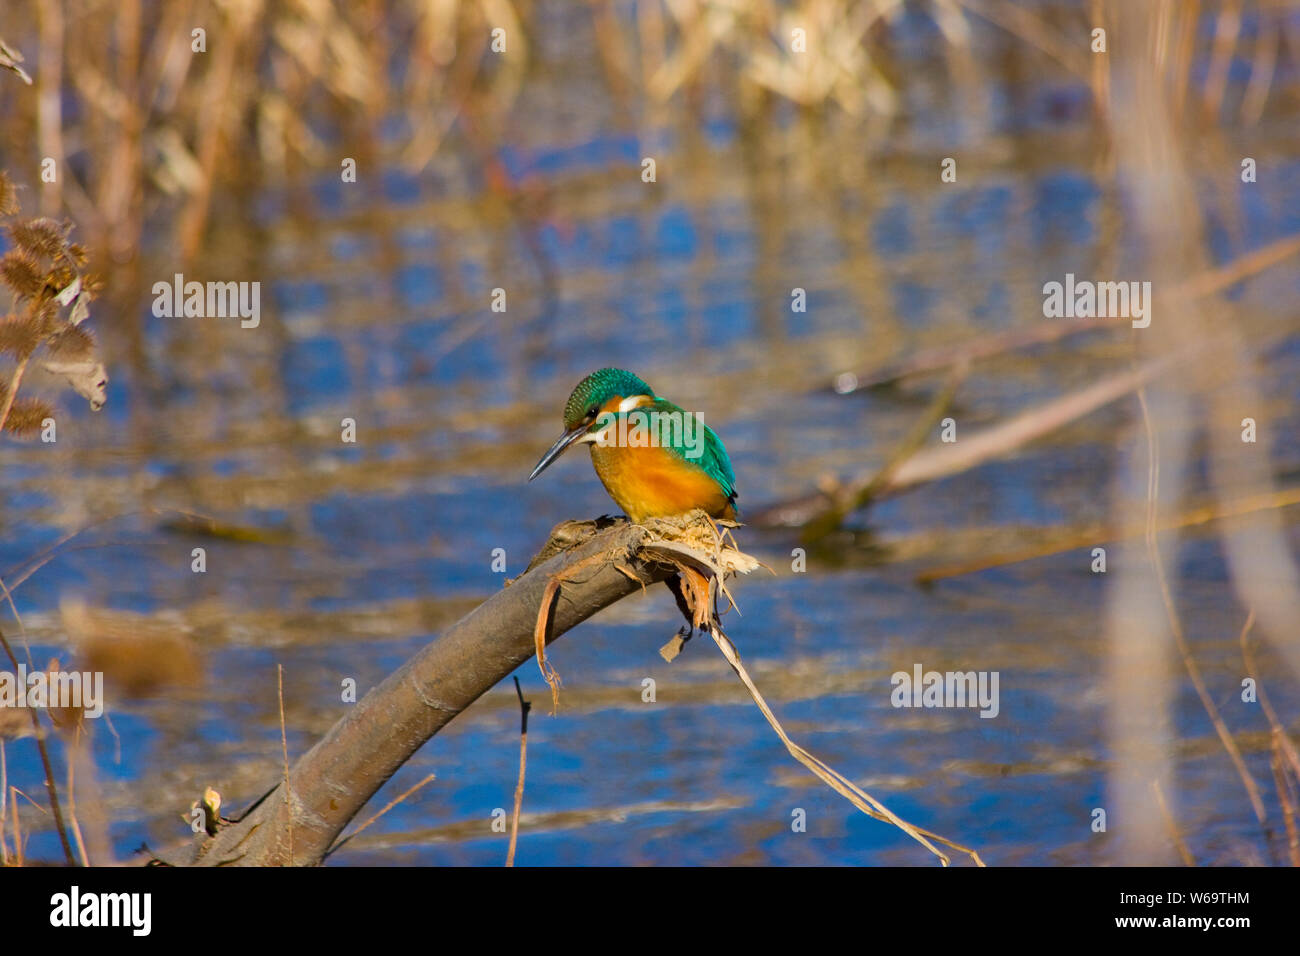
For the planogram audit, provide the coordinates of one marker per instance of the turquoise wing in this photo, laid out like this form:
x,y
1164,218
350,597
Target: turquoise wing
x,y
718,464
684,438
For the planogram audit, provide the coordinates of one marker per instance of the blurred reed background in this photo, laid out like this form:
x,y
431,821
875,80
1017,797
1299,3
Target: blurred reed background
x,y
775,170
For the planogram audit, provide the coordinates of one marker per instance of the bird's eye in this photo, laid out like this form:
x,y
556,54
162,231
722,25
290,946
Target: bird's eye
x,y
591,412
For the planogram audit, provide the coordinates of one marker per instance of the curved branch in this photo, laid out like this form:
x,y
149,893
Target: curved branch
x,y
330,784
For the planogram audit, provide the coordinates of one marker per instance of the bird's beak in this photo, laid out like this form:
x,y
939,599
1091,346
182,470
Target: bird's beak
x,y
556,450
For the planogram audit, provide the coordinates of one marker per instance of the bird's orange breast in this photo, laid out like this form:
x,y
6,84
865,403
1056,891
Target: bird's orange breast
x,y
649,481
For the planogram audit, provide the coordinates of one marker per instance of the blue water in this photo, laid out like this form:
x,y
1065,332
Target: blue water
x,y
377,310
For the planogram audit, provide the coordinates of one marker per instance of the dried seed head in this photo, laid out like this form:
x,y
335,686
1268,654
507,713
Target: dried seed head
x,y
58,279
19,336
22,273
27,416
73,343
40,237
44,316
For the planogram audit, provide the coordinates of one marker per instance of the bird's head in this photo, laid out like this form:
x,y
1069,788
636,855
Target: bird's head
x,y
582,411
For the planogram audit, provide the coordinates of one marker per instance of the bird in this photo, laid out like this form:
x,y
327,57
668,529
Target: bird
x,y
655,459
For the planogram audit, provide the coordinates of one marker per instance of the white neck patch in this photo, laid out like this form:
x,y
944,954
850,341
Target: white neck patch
x,y
634,401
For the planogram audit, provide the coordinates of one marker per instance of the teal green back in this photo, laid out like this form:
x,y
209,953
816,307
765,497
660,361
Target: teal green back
x,y
713,459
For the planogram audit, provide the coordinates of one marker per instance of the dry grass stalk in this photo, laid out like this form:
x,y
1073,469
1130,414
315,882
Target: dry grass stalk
x,y
524,708
704,555
72,796
836,781
1274,722
18,830
4,803
284,747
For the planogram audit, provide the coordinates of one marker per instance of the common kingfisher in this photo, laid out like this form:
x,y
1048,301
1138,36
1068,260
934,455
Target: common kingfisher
x,y
653,458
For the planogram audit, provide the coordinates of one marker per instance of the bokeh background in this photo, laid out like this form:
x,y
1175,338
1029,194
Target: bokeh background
x,y
775,170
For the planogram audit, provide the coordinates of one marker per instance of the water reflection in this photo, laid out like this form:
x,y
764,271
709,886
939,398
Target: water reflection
x,y
377,310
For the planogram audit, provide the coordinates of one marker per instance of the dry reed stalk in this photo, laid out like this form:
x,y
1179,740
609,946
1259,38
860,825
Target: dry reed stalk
x,y
1027,26
1286,796
831,777
1175,623
12,392
1227,27
18,830
709,558
1268,39
284,747
4,804
524,708
1092,535
50,788
1183,850
1207,283
1099,81
1005,437
1274,723
72,795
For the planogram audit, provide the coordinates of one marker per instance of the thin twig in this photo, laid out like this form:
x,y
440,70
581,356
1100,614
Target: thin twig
x,y
12,392
1243,267
46,766
4,804
524,708
388,806
1279,731
284,746
18,830
1287,799
1183,851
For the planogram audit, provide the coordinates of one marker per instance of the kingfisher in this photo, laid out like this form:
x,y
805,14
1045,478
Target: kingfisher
x,y
653,458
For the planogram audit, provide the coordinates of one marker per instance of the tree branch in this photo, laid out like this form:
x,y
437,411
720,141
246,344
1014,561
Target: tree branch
x,y
331,783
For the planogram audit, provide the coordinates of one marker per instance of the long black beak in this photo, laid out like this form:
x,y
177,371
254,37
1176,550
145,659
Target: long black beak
x,y
556,450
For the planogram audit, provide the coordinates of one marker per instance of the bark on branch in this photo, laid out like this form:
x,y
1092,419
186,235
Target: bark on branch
x,y
330,784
